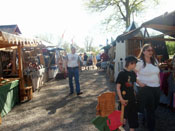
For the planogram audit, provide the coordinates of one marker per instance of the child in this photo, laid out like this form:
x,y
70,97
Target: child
x,y
125,82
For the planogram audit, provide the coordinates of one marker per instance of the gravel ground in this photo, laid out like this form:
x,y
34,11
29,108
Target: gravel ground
x,y
51,109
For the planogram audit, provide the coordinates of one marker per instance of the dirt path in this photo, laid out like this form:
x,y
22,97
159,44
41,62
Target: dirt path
x,y
52,109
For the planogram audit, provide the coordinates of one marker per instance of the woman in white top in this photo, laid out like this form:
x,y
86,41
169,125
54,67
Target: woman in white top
x,y
148,77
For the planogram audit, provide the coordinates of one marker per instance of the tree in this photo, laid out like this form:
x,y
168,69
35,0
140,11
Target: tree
x,y
66,46
81,50
170,47
46,37
121,9
88,44
51,38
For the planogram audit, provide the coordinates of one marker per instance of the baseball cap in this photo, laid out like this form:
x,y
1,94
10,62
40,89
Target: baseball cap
x,y
131,58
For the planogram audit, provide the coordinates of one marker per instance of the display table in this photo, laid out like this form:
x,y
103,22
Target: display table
x,y
9,95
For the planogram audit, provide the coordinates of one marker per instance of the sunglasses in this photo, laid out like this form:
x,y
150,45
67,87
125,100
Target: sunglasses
x,y
149,50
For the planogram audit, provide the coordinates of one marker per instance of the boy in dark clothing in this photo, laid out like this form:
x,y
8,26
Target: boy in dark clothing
x,y
125,82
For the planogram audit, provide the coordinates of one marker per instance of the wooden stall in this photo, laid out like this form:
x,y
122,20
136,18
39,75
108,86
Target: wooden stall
x,y
35,71
17,43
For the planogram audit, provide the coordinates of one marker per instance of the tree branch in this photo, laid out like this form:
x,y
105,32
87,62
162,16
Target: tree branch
x,y
133,3
124,17
136,5
123,2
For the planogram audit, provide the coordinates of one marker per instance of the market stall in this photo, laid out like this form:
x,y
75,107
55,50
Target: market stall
x,y
15,44
35,72
165,24
53,59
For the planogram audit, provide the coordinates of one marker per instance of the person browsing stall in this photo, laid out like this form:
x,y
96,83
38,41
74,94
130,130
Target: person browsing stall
x,y
73,64
125,83
85,58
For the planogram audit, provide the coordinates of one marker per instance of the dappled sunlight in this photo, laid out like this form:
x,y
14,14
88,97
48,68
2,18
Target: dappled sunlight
x,y
52,109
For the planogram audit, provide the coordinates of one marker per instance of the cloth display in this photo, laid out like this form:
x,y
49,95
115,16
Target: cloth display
x,y
164,82
100,123
113,121
9,96
38,78
53,70
171,90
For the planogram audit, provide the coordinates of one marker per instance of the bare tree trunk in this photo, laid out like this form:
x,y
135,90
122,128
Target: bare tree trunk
x,y
128,13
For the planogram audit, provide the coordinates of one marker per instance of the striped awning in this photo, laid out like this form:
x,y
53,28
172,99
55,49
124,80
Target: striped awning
x,y
11,39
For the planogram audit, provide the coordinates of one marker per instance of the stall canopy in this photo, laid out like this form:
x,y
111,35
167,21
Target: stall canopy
x,y
130,32
164,23
7,39
54,48
132,26
107,47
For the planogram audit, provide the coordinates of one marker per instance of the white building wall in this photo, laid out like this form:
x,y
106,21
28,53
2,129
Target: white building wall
x,y
120,53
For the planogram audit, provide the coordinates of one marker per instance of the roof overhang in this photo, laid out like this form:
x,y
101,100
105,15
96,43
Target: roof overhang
x,y
128,35
164,23
7,40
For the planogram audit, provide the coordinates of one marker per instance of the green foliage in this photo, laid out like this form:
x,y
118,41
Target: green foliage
x,y
121,9
170,47
96,50
66,46
88,43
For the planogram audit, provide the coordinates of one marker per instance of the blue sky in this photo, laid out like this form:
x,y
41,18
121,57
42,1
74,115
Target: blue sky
x,y
69,16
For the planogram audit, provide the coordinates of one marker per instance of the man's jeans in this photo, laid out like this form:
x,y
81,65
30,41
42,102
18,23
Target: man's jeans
x,y
74,72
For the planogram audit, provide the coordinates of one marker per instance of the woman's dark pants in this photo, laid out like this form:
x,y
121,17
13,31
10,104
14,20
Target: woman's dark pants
x,y
148,98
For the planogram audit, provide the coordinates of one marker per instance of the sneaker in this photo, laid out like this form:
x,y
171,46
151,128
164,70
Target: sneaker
x,y
79,93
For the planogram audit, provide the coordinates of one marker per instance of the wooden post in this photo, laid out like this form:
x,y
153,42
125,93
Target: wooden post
x,y
22,91
0,119
0,65
14,62
41,57
122,109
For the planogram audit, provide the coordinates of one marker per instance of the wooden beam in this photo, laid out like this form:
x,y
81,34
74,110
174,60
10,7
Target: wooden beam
x,y
144,32
170,33
2,36
158,39
14,62
160,27
6,44
1,66
147,32
41,57
22,91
